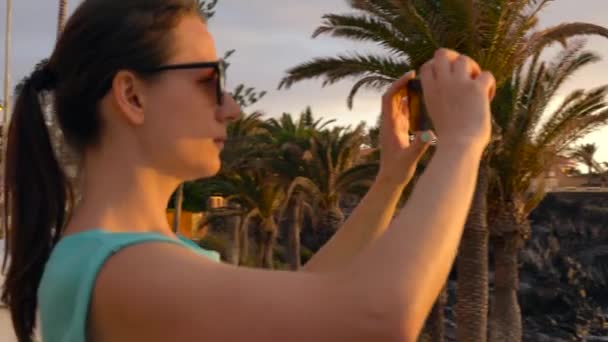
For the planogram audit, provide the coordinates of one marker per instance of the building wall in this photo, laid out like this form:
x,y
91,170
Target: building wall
x,y
188,224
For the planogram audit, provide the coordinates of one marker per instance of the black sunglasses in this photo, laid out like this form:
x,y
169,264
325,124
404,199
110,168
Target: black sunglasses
x,y
219,67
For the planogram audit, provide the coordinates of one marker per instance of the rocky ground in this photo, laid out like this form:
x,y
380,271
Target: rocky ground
x,y
564,272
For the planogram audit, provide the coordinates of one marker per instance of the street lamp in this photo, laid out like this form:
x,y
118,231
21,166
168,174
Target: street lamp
x,y
6,102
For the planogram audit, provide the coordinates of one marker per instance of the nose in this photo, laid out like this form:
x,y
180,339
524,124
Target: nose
x,y
230,111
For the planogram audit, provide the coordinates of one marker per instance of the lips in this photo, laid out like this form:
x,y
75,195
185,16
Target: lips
x,y
220,142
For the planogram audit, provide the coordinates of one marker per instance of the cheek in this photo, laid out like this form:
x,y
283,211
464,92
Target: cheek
x,y
189,109
180,148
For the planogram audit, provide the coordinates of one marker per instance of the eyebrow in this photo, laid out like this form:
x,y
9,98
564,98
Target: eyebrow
x,y
194,65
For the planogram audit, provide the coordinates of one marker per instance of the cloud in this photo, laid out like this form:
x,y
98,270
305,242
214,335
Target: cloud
x,y
271,36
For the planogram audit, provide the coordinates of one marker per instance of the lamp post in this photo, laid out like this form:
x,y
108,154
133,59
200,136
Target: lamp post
x,y
7,73
5,108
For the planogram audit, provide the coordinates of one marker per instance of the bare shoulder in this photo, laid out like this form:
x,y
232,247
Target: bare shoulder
x,y
160,292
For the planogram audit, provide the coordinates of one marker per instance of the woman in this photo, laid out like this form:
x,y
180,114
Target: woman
x,y
138,90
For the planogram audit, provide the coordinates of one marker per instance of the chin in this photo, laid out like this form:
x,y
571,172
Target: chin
x,y
209,169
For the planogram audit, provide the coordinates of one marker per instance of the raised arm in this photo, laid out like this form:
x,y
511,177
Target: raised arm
x,y
158,292
398,160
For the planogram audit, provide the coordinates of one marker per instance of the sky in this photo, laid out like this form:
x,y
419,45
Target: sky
x,y
270,36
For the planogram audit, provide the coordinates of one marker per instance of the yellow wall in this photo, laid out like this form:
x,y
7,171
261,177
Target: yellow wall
x,y
188,223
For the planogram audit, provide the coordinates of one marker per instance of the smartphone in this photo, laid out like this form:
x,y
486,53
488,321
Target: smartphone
x,y
419,118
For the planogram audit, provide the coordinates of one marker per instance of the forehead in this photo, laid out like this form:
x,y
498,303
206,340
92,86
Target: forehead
x,y
192,41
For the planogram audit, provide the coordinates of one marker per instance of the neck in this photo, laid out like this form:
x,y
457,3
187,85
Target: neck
x,y
120,194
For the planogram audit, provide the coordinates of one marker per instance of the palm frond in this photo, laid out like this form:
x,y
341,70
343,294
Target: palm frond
x,y
362,174
560,33
334,69
408,10
362,27
575,117
307,187
371,82
569,62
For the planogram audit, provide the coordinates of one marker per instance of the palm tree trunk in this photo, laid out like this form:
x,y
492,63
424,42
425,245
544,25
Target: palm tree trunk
x,y
62,16
244,244
505,314
472,292
235,248
295,211
268,250
268,234
332,221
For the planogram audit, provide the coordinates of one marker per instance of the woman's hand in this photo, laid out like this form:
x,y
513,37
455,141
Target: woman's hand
x,y
398,154
457,95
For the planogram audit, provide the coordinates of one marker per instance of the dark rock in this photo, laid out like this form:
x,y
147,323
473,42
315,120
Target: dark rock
x,y
564,269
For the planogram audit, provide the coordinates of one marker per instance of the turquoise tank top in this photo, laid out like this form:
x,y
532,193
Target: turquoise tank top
x,y
69,276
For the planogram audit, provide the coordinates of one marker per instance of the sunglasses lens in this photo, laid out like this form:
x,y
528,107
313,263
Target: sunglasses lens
x,y
221,82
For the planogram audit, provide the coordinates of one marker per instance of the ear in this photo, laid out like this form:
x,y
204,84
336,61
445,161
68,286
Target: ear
x,y
128,92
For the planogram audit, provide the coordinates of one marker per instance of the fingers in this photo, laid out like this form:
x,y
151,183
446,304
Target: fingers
x,y
404,110
488,83
442,62
427,76
466,68
394,100
399,85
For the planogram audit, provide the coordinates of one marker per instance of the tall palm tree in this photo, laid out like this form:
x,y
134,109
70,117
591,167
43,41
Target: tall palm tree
x,y
292,139
500,34
241,153
330,173
532,139
317,166
242,135
261,196
585,154
62,16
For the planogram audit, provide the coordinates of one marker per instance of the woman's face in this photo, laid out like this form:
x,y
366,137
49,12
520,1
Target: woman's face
x,y
185,128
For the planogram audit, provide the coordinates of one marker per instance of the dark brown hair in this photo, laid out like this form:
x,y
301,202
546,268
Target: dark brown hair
x,y
100,39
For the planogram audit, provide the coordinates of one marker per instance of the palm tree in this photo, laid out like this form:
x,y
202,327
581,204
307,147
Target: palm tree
x,y
499,34
316,166
260,196
292,139
331,172
62,17
242,135
528,148
241,153
585,154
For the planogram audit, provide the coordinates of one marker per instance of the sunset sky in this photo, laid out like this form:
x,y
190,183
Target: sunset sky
x,y
272,35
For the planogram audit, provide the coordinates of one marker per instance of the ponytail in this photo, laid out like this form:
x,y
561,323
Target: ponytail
x,y
36,194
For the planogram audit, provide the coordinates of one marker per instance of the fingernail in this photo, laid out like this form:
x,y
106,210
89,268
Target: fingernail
x,y
405,99
426,137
